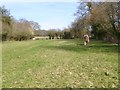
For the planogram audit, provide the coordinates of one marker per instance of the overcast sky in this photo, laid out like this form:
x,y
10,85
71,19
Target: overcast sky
x,y
50,15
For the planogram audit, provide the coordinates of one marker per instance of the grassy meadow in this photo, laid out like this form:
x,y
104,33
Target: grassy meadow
x,y
59,63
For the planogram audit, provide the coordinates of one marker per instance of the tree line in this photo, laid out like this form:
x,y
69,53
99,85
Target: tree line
x,y
13,29
23,29
100,20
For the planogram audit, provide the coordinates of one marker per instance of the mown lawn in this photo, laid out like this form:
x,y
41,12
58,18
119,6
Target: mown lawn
x,y
59,63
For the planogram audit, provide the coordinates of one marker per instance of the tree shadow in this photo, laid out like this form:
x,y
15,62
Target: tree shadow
x,y
105,47
88,48
67,48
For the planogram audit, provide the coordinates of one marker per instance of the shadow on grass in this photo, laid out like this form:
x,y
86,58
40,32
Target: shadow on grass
x,y
105,47
88,48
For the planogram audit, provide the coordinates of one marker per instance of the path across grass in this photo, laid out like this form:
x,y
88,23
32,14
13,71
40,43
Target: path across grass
x,y
59,63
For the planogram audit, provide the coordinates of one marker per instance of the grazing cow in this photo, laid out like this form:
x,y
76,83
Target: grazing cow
x,y
86,39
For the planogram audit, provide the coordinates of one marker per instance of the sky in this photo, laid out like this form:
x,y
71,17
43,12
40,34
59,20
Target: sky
x,y
50,15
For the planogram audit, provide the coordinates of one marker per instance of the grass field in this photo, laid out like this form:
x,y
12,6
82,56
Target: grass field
x,y
59,63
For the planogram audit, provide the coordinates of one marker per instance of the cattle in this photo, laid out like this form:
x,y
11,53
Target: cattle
x,y
86,39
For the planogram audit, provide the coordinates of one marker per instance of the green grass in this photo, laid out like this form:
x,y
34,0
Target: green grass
x,y
59,63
